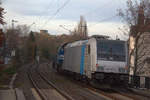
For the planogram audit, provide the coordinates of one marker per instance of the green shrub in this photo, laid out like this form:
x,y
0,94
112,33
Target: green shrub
x,y
10,70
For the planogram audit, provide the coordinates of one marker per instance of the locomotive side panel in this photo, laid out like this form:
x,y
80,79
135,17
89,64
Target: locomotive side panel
x,y
81,58
72,59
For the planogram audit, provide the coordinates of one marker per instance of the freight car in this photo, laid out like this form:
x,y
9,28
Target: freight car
x,y
97,58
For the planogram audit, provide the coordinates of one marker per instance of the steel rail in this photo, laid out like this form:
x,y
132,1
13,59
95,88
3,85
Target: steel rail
x,y
88,88
42,96
109,95
55,87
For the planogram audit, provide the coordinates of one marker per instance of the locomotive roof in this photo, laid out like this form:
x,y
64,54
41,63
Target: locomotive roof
x,y
82,42
77,43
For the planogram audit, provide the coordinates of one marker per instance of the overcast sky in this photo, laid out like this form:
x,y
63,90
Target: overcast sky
x,y
49,14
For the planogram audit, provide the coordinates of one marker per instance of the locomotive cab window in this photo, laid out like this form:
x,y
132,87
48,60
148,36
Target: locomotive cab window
x,y
111,50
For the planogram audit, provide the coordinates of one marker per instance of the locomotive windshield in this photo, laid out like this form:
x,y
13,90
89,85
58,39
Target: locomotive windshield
x,y
111,50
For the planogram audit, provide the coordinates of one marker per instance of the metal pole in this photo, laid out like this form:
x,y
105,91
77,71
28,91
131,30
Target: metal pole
x,y
13,21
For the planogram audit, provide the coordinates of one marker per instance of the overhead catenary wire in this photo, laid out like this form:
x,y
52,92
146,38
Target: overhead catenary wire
x,y
44,11
102,7
60,8
57,11
106,19
102,20
47,8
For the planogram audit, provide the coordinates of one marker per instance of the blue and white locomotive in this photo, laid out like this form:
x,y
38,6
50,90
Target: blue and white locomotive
x,y
97,58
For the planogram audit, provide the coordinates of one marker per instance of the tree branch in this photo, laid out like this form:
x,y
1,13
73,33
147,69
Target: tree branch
x,y
138,58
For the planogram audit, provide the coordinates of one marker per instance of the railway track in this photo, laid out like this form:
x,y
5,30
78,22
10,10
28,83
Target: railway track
x,y
110,94
115,93
85,91
41,94
46,90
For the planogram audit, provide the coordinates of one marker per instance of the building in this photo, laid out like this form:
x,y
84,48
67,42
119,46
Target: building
x,y
140,39
43,31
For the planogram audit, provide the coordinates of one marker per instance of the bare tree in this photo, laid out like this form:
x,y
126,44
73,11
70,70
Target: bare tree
x,y
23,30
137,18
14,35
16,42
81,29
2,15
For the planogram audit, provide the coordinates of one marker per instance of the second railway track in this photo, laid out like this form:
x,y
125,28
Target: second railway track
x,y
46,90
46,79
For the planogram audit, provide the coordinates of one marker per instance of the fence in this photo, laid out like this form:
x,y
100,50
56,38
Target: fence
x,y
139,81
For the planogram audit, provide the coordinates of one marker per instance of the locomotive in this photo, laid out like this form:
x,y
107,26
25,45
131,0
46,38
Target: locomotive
x,y
97,58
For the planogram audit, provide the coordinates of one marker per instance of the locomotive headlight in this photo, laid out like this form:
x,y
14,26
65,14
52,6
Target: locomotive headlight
x,y
100,68
126,67
122,70
97,65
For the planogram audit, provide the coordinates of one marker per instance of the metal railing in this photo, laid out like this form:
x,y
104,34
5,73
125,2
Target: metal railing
x,y
139,82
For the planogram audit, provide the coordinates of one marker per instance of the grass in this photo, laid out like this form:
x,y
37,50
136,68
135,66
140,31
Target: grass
x,y
10,71
6,75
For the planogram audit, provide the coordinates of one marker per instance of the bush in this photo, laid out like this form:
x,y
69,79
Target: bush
x,y
10,70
